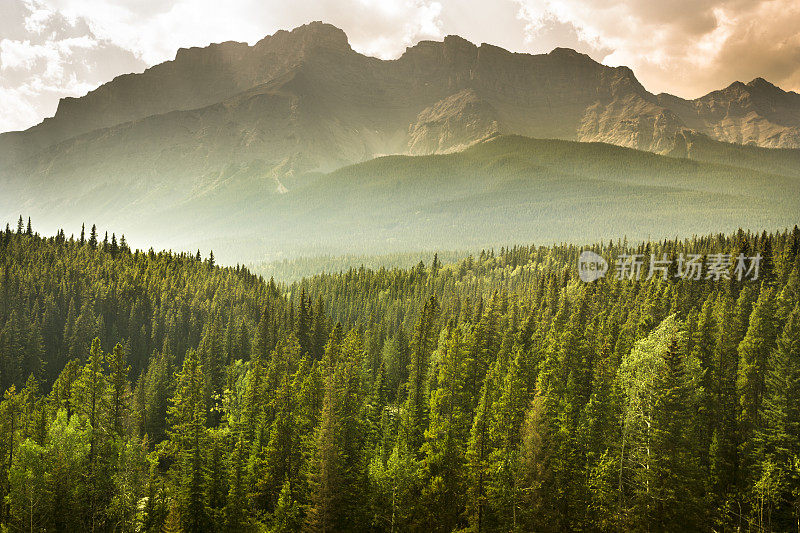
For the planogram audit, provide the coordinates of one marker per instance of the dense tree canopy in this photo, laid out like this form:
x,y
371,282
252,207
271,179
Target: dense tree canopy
x,y
150,391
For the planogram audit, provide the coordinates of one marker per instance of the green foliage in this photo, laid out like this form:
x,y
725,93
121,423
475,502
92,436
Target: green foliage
x,y
497,393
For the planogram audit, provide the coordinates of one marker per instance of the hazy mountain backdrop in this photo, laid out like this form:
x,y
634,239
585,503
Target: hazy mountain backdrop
x,y
276,144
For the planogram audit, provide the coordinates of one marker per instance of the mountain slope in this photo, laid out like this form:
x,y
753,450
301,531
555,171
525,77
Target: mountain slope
x,y
513,188
505,189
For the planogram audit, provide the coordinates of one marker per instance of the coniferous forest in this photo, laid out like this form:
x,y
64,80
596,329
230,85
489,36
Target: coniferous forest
x,y
154,391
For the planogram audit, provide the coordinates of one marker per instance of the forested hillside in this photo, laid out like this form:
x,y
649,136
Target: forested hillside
x,y
503,190
152,391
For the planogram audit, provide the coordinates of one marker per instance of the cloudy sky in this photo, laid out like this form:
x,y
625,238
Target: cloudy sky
x,y
55,48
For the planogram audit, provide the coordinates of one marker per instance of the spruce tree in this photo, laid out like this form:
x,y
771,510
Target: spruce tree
x,y
422,346
506,425
118,381
93,237
188,434
446,437
754,353
778,440
236,508
675,488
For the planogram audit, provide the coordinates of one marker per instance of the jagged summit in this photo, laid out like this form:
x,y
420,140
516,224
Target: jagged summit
x,y
569,53
315,34
231,50
761,83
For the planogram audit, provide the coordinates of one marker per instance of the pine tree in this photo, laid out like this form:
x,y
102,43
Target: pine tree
x,y
338,466
92,388
600,431
281,460
778,441
325,474
479,447
658,461
435,265
236,509
213,360
565,381
187,414
675,490
93,237
724,452
703,341
304,323
252,401
505,428
263,342
10,410
118,381
376,410
754,352
217,477
319,331
286,518
422,346
446,437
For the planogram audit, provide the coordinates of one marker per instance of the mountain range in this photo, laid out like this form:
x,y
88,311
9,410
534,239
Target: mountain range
x,y
233,132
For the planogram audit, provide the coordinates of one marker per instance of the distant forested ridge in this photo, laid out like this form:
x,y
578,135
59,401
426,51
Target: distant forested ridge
x,y
149,391
505,190
295,269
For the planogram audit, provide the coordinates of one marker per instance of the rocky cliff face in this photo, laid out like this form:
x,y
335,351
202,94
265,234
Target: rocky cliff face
x,y
451,124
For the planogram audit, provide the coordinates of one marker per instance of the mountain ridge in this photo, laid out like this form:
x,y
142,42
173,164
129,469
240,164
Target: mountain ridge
x,y
618,110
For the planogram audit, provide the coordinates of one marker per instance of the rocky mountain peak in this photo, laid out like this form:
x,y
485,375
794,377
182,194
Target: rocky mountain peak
x,y
453,50
453,44
225,51
314,35
763,85
570,54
